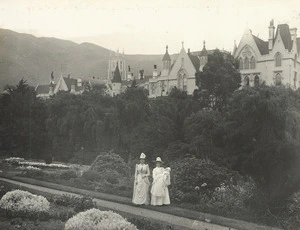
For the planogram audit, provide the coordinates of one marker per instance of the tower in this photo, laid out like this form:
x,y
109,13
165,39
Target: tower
x,y
166,63
115,58
116,82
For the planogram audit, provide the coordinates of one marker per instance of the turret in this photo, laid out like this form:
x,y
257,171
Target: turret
x,y
271,34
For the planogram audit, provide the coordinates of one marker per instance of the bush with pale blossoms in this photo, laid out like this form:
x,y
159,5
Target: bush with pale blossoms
x,y
24,203
94,219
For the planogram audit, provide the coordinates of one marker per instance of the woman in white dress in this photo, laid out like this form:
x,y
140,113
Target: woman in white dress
x,y
141,193
161,181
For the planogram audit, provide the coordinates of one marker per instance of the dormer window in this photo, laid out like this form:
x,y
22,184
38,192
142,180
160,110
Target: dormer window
x,y
278,59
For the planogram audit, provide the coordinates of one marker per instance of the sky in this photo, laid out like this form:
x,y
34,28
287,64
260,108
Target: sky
x,y
147,26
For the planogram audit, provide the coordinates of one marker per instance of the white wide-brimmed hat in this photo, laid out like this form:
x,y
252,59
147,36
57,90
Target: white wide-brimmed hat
x,y
158,159
143,156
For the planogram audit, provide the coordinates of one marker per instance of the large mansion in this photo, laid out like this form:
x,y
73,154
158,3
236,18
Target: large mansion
x,y
178,73
275,62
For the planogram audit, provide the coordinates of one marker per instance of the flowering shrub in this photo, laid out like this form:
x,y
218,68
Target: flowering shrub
x,y
13,160
94,219
32,168
191,172
39,164
24,203
232,196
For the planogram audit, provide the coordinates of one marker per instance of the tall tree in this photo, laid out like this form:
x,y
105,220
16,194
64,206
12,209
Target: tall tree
x,y
218,80
263,129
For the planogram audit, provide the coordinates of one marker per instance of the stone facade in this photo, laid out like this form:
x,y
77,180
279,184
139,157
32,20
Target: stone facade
x,y
274,62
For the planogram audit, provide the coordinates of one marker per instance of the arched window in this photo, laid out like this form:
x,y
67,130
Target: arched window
x,y
295,61
256,80
241,63
278,59
181,81
278,79
246,63
246,81
252,63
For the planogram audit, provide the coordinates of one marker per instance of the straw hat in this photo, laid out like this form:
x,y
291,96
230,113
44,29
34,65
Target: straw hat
x,y
158,159
143,156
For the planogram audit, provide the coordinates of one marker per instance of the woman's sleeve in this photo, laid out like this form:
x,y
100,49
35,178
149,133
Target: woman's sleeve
x,y
148,171
135,173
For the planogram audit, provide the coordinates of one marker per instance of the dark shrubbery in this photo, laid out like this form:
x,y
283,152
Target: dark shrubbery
x,y
79,203
48,159
192,172
67,175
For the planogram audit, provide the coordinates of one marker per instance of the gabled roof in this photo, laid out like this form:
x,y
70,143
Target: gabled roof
x,y
72,81
285,36
262,46
117,76
43,89
195,60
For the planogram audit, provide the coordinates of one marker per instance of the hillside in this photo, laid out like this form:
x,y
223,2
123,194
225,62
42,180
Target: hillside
x,y
32,58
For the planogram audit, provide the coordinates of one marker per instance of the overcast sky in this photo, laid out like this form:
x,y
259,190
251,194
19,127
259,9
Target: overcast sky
x,y
147,26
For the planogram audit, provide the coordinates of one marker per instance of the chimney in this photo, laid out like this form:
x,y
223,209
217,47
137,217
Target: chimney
x,y
72,89
79,82
129,74
271,34
141,74
293,32
155,73
51,90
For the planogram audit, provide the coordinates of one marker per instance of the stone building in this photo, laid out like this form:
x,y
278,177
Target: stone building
x,y
275,62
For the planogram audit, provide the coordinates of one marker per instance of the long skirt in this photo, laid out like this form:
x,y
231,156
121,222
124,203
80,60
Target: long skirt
x,y
141,193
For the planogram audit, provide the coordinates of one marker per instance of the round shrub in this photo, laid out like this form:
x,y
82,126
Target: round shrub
x,y
94,219
24,203
110,161
192,172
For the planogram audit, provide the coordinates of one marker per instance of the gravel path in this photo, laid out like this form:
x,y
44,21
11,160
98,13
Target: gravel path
x,y
181,223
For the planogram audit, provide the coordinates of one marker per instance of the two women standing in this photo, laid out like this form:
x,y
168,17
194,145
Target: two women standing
x,y
161,181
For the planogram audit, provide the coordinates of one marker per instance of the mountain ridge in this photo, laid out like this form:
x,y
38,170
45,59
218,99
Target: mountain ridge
x,y
25,56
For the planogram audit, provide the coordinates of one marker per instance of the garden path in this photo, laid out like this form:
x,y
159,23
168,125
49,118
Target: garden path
x,y
179,222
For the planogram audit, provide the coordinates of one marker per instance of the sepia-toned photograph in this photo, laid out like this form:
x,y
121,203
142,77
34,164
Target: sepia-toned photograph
x,y
149,115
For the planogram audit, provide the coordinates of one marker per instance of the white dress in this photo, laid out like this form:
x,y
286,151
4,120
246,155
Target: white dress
x,y
159,190
141,193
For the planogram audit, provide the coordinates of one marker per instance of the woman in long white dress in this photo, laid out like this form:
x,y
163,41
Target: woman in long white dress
x,y
141,193
161,181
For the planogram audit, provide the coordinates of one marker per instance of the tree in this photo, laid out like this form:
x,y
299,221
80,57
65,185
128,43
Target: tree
x,y
218,80
263,136
22,121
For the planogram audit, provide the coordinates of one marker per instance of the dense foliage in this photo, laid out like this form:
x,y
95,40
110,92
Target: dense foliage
x,y
254,131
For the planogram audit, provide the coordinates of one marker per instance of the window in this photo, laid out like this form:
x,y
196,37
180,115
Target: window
x,y
252,63
256,80
278,79
241,63
246,63
182,61
295,80
278,59
121,65
181,81
246,81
